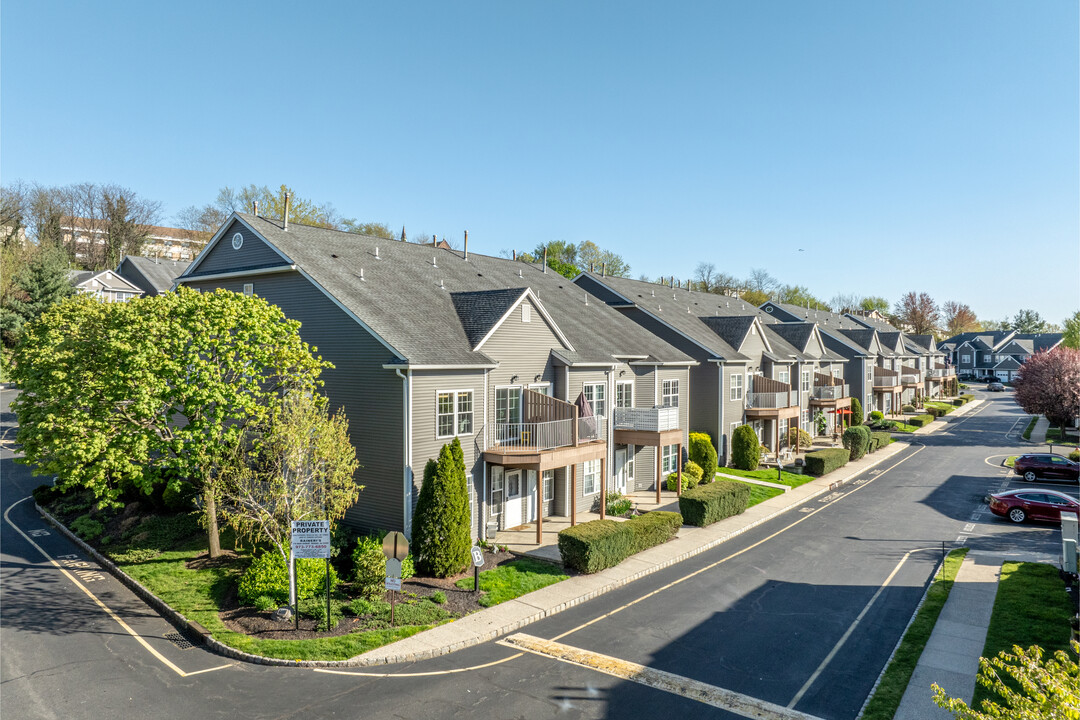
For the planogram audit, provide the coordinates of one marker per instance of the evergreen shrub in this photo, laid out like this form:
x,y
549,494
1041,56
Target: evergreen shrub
x,y
595,545
691,476
707,504
745,448
441,538
908,409
879,440
654,528
877,415
856,439
920,420
268,575
804,438
703,452
369,567
856,412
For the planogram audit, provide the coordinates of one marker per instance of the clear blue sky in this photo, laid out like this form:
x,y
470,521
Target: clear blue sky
x,y
903,146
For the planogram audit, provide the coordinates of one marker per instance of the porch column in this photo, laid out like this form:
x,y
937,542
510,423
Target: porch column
x,y
573,495
678,466
603,488
659,470
540,504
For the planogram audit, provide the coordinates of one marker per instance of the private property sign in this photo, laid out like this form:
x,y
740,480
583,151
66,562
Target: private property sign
x,y
311,538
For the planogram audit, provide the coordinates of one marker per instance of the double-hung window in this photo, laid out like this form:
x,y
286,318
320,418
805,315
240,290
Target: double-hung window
x,y
783,376
669,455
594,393
549,485
736,386
624,394
497,496
670,393
590,477
453,411
806,381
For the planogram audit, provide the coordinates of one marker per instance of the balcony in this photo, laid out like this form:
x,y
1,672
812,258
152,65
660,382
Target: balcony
x,y
829,392
549,435
940,373
770,399
657,419
910,376
885,378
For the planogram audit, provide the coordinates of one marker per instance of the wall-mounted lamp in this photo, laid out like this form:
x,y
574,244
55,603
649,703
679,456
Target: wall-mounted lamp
x,y
513,379
538,376
621,373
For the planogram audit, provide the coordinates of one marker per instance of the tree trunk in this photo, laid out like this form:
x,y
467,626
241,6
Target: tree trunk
x,y
213,536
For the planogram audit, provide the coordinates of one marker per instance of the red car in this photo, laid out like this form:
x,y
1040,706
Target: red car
x,y
1019,505
1046,466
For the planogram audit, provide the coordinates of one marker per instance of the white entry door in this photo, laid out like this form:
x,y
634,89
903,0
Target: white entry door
x,y
512,514
624,469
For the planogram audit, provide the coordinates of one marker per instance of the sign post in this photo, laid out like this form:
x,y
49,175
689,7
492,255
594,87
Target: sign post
x,y
396,548
311,539
478,562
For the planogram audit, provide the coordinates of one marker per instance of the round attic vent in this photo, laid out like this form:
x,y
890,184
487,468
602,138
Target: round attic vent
x,y
768,308
237,241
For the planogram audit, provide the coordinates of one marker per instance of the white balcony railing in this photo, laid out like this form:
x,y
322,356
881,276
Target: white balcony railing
x,y
829,392
768,400
941,372
911,378
886,380
657,419
548,435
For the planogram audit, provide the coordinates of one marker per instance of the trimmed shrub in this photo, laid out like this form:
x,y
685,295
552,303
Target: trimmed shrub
x,y
907,409
967,398
595,545
441,539
804,438
654,528
691,476
745,448
1075,456
823,462
934,412
268,575
369,567
856,440
703,452
877,415
920,420
879,440
707,504
856,412
958,401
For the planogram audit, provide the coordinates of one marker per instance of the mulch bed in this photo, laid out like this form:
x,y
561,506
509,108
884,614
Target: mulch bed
x,y
262,625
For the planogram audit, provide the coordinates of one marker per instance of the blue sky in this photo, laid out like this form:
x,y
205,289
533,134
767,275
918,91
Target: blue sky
x,y
920,146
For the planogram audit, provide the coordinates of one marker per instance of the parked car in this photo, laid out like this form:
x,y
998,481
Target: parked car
x,y
965,376
1019,505
995,386
1047,466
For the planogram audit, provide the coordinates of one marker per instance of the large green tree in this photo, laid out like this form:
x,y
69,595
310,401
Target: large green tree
x,y
120,392
39,281
1029,321
1071,335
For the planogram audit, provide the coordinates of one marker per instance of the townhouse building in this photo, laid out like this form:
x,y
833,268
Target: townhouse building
x,y
106,285
750,369
554,396
998,354
150,274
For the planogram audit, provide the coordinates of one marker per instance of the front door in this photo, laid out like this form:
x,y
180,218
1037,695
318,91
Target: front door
x,y
512,515
624,469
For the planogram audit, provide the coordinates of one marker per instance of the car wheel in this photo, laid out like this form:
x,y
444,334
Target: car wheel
x,y
1030,476
1017,515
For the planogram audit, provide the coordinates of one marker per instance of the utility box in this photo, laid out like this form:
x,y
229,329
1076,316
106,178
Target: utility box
x,y
1068,555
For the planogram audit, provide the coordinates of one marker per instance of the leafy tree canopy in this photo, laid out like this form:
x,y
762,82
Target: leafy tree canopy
x,y
1029,321
1071,334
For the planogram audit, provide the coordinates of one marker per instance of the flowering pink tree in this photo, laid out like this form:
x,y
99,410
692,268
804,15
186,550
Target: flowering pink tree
x,y
1049,384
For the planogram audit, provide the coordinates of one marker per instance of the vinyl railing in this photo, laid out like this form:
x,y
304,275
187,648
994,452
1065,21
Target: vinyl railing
x,y
829,392
655,419
911,378
941,372
768,401
549,435
886,380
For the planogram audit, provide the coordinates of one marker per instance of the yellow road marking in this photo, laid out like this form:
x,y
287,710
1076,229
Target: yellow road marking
x,y
165,661
717,697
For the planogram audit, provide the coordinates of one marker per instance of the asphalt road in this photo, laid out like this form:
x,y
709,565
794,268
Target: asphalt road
x,y
802,611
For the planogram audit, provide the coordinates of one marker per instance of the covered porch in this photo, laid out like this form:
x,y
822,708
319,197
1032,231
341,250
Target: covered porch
x,y
656,427
772,402
887,389
830,395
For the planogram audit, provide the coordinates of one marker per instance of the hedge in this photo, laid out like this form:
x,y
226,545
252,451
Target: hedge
x,y
920,420
707,504
958,401
879,440
857,440
822,462
967,398
599,544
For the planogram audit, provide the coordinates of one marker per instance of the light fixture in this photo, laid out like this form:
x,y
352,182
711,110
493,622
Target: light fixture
x,y
513,379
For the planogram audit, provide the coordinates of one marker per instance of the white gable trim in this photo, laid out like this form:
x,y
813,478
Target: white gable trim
x,y
220,234
761,333
114,280
528,293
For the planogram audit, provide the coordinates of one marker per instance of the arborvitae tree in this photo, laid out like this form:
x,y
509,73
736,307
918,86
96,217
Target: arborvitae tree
x,y
856,412
44,282
745,448
441,522
703,453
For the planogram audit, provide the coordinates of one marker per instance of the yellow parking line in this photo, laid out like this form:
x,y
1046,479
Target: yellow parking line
x,y
165,661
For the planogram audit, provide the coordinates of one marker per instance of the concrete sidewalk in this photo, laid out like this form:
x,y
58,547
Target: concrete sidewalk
x,y
509,616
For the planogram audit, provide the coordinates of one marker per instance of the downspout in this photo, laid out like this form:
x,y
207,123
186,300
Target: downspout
x,y
406,396
483,503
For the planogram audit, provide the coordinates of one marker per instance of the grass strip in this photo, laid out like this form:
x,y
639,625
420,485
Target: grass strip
x,y
886,700
1057,436
514,579
786,478
1010,461
1030,427
1031,608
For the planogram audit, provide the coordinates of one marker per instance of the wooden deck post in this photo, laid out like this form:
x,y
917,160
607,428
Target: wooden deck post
x,y
678,467
659,471
573,495
574,427
603,488
540,505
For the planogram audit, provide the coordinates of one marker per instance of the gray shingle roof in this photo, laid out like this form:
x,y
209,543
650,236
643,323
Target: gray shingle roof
x,y
480,310
161,274
406,295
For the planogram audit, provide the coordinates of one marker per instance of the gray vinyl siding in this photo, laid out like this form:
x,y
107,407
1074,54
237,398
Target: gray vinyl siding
x,y
521,349
254,253
426,445
683,377
734,410
578,378
370,396
133,275
753,346
645,396
704,409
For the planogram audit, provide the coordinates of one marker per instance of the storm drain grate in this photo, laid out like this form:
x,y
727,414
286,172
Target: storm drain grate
x,y
179,640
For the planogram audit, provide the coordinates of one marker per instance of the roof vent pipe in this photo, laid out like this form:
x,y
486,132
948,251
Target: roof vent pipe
x,y
671,282
377,253
362,275
466,244
442,286
434,261
586,298
434,241
519,273
513,254
603,269
255,208
286,225
545,260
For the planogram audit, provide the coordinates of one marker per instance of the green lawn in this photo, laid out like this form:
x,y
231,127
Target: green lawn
x,y
786,478
1031,608
894,682
947,407
1030,427
1010,461
514,579
903,427
1056,436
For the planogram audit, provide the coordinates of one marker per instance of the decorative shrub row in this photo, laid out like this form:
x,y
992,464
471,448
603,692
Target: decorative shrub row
x,y
703,452
919,421
599,544
879,440
707,504
856,439
822,462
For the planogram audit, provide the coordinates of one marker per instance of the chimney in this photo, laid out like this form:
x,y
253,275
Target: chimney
x,y
603,269
255,208
434,240
513,254
286,226
403,238
671,282
591,267
545,259
466,244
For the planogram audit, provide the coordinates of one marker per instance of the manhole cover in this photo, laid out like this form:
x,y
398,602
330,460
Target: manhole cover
x,y
179,640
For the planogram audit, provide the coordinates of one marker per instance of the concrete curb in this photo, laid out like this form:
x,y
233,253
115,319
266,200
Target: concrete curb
x,y
939,423
519,612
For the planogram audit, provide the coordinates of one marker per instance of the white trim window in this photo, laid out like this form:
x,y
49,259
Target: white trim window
x,y
668,456
453,413
595,393
805,387
542,388
624,394
590,477
784,376
669,393
549,485
736,386
497,496
965,359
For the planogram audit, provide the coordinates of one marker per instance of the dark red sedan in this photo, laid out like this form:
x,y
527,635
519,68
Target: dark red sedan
x,y
1046,466
1019,505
